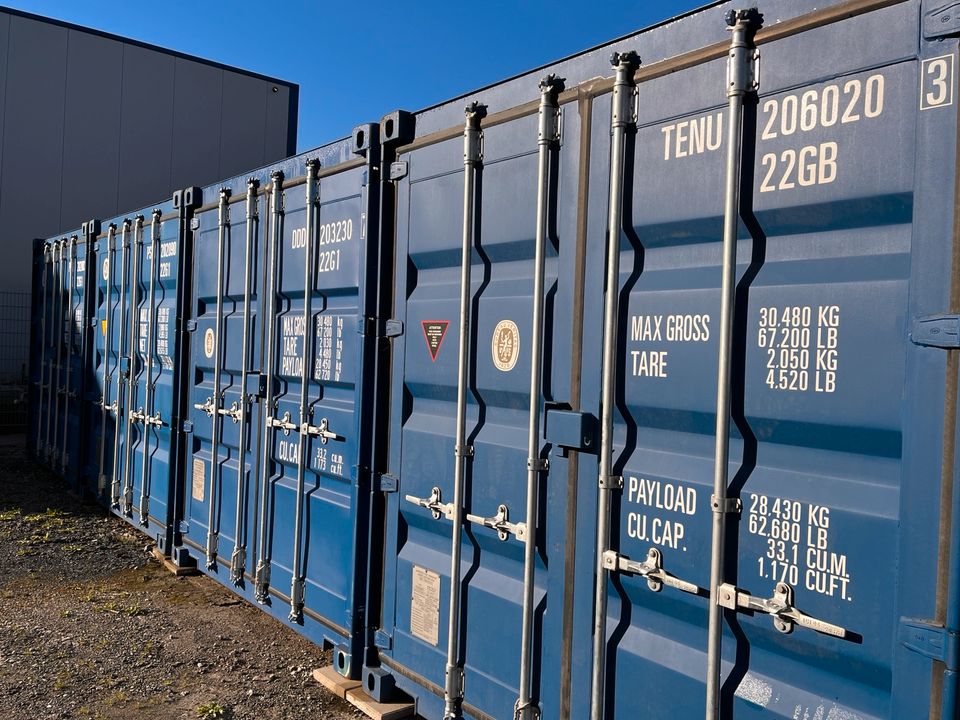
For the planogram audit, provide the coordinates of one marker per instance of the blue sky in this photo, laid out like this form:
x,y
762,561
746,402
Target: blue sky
x,y
355,61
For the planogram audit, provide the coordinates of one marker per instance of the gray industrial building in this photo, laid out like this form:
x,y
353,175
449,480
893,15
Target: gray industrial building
x,y
94,125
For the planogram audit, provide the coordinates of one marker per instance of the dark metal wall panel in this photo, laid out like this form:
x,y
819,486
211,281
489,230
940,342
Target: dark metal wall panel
x,y
196,123
4,46
33,142
93,125
243,122
279,140
146,127
91,148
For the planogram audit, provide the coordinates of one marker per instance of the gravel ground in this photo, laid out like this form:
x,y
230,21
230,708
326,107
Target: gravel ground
x,y
92,628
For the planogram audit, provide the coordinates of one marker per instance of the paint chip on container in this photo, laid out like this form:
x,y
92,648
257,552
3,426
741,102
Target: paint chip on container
x,y
425,605
754,690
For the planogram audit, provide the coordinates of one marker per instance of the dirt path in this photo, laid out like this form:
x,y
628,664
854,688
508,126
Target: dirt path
x,y
91,628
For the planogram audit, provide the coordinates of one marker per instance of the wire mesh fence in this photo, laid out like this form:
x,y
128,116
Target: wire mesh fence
x,y
14,360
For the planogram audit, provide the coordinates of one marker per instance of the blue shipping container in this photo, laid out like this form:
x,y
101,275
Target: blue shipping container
x,y
281,406
782,547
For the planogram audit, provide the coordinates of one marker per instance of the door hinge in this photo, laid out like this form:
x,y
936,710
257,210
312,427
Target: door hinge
x,y
929,640
398,169
191,325
386,483
570,429
380,327
940,331
187,426
184,527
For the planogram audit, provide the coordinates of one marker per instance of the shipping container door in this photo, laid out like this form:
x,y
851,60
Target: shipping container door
x,y
73,369
42,352
498,194
312,487
150,440
111,269
837,475
228,263
59,250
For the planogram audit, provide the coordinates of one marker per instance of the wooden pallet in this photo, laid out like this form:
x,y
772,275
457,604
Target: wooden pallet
x,y
352,691
173,567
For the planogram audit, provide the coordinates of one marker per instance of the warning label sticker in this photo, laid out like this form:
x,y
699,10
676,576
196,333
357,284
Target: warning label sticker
x,y
425,605
199,479
433,333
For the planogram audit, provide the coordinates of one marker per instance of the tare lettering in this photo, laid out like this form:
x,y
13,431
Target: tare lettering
x,y
291,345
802,346
663,329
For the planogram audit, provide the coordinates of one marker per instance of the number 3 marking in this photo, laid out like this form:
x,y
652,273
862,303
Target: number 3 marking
x,y
936,82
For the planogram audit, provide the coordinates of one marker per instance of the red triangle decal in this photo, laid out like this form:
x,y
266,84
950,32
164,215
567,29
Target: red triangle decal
x,y
434,332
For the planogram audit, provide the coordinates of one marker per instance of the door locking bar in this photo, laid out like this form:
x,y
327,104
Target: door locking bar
x,y
322,431
312,211
651,569
501,523
622,120
136,365
274,231
434,504
238,559
156,420
741,81
150,383
72,267
780,607
283,423
120,374
224,229
107,349
209,407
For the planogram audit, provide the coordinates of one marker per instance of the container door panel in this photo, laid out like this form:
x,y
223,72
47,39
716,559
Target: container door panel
x,y
220,488
816,453
424,415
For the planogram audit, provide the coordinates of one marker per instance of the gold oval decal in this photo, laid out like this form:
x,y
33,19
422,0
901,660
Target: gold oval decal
x,y
506,345
208,342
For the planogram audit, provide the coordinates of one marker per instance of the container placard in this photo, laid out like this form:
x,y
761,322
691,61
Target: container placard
x,y
425,605
199,479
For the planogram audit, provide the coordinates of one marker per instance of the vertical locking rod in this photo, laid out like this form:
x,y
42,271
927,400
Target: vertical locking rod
x,y
118,400
107,343
44,289
238,561
262,572
621,117
547,137
136,250
223,222
453,687
71,283
739,82
56,331
296,583
143,508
